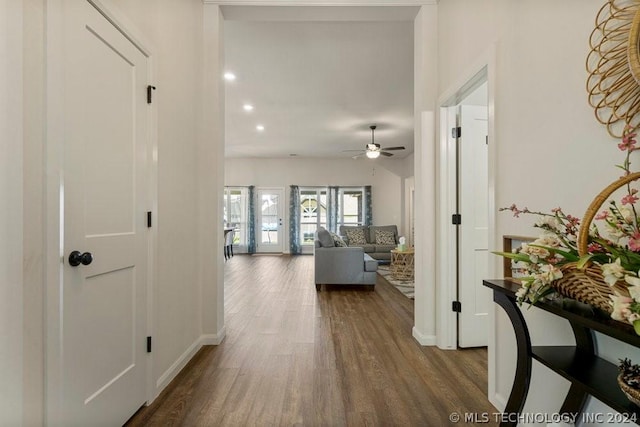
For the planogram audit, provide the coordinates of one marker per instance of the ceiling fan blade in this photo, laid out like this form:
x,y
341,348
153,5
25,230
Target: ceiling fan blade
x,y
384,153
393,148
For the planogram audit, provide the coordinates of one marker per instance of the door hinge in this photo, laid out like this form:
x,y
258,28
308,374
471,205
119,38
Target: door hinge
x,y
148,344
149,219
456,306
456,219
149,91
456,132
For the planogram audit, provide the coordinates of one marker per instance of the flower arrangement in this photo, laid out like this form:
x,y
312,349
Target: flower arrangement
x,y
613,246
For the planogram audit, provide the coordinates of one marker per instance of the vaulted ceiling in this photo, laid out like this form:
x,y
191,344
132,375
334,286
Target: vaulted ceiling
x,y
317,78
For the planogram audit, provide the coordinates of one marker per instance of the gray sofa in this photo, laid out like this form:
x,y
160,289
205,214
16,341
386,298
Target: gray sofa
x,y
341,265
375,250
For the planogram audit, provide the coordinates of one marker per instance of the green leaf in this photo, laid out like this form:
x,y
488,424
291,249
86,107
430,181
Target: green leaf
x,y
517,257
583,261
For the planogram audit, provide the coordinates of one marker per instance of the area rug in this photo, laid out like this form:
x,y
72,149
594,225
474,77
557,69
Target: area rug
x,y
404,286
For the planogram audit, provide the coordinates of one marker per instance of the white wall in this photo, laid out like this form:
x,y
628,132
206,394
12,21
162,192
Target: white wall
x,y
386,186
184,292
543,123
11,222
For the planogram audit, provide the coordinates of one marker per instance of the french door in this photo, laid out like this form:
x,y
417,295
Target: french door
x,y
269,218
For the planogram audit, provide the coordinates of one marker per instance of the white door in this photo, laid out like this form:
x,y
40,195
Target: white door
x,y
269,217
103,307
473,254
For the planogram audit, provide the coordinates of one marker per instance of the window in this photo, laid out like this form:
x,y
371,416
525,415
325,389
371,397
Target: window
x,y
351,206
236,212
313,213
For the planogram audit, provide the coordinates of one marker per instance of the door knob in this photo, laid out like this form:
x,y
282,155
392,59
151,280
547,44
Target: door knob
x,y
76,258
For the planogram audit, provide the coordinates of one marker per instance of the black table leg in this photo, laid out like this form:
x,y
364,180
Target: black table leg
x,y
522,378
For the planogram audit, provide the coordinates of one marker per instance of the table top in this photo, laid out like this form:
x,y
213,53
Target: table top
x,y
406,251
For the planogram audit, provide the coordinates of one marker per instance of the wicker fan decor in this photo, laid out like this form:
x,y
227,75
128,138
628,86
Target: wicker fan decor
x,y
613,65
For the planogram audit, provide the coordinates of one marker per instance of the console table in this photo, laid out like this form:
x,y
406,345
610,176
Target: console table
x,y
588,374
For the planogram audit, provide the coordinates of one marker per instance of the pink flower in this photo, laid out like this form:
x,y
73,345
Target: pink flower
x,y
628,143
634,242
594,248
602,215
629,199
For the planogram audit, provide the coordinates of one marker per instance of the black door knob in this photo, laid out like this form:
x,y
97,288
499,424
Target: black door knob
x,y
76,258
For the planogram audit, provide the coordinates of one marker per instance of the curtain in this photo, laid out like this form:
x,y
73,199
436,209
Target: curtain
x,y
251,222
332,209
294,221
368,211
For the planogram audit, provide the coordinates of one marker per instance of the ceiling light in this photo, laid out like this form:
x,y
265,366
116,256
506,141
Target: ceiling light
x,y
247,107
373,154
260,128
229,76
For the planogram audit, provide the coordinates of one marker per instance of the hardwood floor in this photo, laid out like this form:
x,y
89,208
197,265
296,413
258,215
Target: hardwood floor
x,y
294,356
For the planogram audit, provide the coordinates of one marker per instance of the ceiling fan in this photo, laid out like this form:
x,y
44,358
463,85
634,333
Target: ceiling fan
x,y
373,150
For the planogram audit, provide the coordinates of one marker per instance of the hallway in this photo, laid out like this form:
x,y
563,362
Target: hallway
x,y
293,356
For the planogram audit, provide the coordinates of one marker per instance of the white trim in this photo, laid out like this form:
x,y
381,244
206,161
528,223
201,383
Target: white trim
x,y
498,401
425,340
213,339
54,133
178,365
447,322
321,3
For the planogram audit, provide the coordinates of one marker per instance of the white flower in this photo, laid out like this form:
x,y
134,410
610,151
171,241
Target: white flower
x,y
620,307
612,272
534,253
614,233
627,214
549,240
550,221
522,293
548,273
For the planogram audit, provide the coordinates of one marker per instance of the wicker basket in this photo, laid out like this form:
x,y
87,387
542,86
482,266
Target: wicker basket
x,y
633,394
587,285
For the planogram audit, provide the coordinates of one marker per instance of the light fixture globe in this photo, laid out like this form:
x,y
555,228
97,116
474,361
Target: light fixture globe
x,y
373,154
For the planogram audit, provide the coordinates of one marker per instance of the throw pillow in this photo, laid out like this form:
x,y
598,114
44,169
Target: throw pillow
x,y
324,237
337,240
384,237
356,237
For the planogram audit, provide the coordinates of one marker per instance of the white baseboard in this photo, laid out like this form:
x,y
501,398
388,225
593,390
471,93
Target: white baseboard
x,y
498,401
177,366
213,339
426,340
181,362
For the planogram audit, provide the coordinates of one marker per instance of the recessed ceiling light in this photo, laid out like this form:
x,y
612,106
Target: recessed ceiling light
x,y
229,76
247,107
260,128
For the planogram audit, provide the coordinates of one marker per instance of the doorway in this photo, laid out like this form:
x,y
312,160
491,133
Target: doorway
x,y
465,214
269,214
